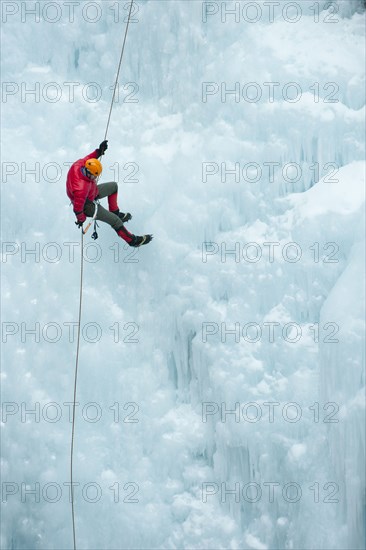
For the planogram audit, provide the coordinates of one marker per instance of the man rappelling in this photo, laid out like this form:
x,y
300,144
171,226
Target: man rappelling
x,y
83,191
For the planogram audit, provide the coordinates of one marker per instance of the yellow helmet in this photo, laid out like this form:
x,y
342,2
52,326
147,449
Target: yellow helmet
x,y
94,166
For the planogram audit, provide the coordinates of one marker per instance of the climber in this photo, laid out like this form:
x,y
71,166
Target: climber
x,y
82,190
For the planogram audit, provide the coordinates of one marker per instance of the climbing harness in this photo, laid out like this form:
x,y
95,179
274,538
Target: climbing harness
x,y
84,231
94,236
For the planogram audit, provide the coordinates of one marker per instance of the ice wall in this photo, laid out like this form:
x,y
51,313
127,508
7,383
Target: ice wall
x,y
171,460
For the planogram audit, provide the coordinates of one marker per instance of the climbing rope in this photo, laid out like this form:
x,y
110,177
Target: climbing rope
x,y
118,70
81,296
75,384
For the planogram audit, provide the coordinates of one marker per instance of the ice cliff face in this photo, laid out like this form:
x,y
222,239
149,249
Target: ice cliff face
x,y
221,378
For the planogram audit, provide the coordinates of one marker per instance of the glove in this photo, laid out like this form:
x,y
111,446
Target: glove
x,y
81,218
102,148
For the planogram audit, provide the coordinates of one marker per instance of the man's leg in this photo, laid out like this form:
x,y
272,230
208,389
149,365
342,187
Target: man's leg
x,y
108,217
109,190
113,219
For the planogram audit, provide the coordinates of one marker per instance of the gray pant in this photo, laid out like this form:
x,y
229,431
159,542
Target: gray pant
x,y
105,189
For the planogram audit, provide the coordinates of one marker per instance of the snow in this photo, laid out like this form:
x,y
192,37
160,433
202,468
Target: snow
x,y
221,376
345,195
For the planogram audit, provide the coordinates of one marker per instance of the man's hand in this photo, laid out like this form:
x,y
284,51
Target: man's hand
x,y
103,147
80,216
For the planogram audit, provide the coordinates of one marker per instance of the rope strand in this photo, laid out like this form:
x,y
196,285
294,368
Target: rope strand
x,y
80,302
118,70
75,384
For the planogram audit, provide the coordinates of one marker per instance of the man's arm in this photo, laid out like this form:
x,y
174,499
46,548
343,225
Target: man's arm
x,y
81,188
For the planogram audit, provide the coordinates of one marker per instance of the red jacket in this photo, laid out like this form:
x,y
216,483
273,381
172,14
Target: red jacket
x,y
80,187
